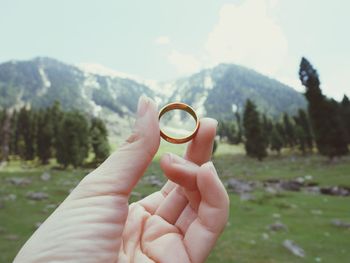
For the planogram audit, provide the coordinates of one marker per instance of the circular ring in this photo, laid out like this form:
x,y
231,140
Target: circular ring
x,y
184,107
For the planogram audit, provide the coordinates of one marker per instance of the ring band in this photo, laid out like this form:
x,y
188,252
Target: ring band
x,y
184,107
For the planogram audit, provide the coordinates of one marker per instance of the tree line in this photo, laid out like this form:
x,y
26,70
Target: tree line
x,y
67,136
325,124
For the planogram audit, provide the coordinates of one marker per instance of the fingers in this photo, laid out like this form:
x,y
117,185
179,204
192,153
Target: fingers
x,y
213,212
200,148
179,170
122,170
183,173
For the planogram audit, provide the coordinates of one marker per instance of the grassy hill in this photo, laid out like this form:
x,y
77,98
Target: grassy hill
x,y
246,238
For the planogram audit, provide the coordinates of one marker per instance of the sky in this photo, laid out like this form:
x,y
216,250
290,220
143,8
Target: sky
x,y
163,40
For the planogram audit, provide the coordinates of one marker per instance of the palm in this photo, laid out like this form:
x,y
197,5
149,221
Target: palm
x,y
180,223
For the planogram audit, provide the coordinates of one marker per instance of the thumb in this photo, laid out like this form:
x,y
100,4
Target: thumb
x,y
122,170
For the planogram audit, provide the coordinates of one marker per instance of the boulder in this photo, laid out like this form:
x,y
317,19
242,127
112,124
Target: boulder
x,y
46,176
339,223
294,248
37,196
19,181
238,186
278,226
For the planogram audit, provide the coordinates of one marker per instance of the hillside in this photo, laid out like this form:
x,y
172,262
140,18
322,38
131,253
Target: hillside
x,y
212,92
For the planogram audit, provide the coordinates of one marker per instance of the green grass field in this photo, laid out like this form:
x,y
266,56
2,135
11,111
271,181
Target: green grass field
x,y
246,237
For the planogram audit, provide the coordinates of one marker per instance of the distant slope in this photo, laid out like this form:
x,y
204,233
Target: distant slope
x,y
212,92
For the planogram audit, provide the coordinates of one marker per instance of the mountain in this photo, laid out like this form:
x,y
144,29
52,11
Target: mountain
x,y
97,91
218,91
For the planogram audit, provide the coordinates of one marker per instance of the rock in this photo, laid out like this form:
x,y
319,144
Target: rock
x,y
278,226
318,259
246,197
37,196
271,190
291,185
12,237
154,181
335,190
275,215
294,248
308,177
10,197
51,206
316,212
46,176
313,189
339,223
18,181
300,180
265,236
238,186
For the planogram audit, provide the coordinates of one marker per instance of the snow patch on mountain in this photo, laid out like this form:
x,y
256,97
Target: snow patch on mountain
x,y
45,80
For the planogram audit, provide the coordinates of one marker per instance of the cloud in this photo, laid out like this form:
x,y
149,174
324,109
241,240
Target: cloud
x,y
184,63
162,40
247,34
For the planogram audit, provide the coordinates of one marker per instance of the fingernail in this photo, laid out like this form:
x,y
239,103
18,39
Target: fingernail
x,y
142,106
215,122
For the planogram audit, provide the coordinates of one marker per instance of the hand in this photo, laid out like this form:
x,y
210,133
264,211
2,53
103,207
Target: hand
x,y
179,223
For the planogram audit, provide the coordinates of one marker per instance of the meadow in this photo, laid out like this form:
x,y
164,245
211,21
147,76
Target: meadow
x,y
306,216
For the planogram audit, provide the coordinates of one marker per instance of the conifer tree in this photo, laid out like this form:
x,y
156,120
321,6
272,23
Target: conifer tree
x,y
345,109
72,139
330,136
276,141
56,116
267,128
239,127
289,130
14,134
26,126
44,136
99,139
255,144
302,120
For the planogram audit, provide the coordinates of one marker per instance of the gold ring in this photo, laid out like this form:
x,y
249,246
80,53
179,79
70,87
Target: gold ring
x,y
184,107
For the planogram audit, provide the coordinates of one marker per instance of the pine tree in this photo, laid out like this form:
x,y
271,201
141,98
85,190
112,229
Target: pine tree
x,y
330,136
14,134
255,144
72,139
239,127
302,120
267,128
228,130
289,130
56,115
345,109
276,141
280,129
301,138
26,126
44,136
99,139
5,131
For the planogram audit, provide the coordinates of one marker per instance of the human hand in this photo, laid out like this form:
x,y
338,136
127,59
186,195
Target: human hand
x,y
179,223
